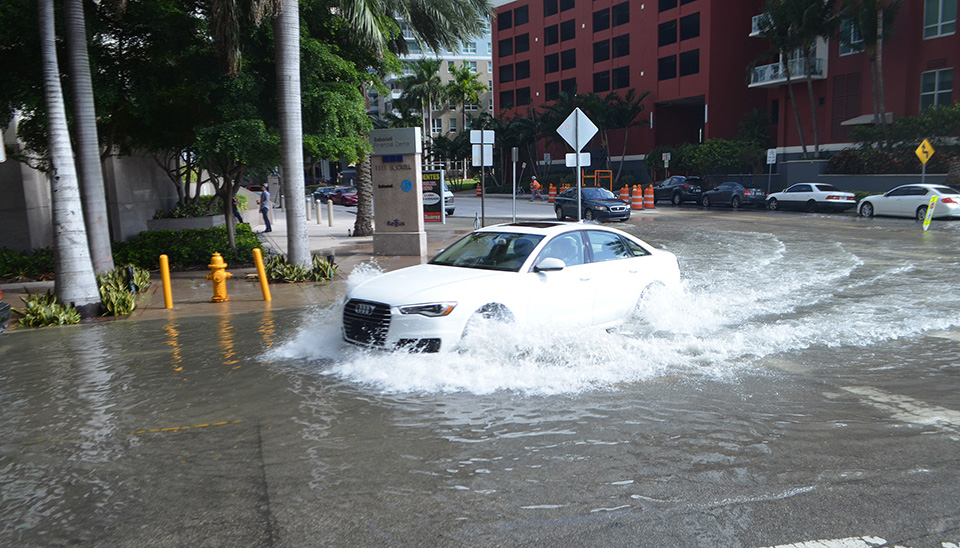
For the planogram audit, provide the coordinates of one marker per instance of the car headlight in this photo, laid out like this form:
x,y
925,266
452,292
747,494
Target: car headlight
x,y
432,310
601,208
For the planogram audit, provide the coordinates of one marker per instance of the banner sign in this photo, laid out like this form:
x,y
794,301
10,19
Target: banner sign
x,y
433,206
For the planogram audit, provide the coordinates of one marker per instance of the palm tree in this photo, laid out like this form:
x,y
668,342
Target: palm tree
x,y
88,144
628,110
873,21
425,87
465,89
76,283
779,28
816,19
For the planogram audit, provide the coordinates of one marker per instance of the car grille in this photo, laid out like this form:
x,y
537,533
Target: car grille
x,y
618,208
366,322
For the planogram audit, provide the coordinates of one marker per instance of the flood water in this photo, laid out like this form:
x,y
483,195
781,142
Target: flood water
x,y
800,385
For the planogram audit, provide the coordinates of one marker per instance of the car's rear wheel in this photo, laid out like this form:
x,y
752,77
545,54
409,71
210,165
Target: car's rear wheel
x,y
588,215
811,206
560,215
735,202
706,201
773,204
922,213
677,199
866,209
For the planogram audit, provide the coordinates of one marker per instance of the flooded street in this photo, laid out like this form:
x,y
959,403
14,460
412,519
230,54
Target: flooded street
x,y
801,385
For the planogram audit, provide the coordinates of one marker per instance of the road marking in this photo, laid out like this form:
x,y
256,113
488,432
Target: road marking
x,y
851,542
906,409
180,428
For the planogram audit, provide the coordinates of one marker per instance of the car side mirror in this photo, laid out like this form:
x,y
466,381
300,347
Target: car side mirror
x,y
549,264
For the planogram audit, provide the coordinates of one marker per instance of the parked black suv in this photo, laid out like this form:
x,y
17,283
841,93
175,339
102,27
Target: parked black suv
x,y
679,189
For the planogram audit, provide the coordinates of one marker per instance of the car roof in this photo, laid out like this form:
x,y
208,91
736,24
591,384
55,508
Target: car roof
x,y
544,228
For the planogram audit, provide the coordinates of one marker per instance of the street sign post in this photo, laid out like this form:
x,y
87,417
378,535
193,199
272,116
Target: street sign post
x,y
771,160
482,141
577,130
924,152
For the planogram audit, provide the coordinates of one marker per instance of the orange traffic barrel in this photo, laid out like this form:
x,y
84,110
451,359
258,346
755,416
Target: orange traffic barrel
x,y
625,193
478,190
552,194
636,201
648,197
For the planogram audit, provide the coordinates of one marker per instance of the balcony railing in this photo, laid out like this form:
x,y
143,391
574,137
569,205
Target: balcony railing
x,y
755,24
396,94
776,74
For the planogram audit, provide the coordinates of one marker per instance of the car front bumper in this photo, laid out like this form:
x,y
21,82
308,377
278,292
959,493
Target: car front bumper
x,y
385,328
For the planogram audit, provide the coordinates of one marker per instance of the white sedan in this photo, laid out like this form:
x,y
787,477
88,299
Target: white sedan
x,y
912,201
811,197
545,272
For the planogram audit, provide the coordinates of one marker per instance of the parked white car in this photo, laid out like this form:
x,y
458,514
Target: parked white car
x,y
812,197
545,272
912,201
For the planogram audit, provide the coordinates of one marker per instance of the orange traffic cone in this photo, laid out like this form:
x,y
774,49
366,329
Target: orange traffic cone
x,y
648,197
552,195
478,191
636,202
625,193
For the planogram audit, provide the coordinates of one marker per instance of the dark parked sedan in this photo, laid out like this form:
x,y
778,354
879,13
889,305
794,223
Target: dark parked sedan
x,y
679,189
734,195
323,193
595,203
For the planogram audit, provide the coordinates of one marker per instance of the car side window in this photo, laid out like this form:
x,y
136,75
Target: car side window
x,y
566,247
799,188
606,246
635,248
918,191
905,191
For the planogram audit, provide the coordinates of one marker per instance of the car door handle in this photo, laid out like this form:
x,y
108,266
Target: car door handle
x,y
634,271
585,279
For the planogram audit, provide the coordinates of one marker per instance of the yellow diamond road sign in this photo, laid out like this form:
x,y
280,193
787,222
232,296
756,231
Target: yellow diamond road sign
x,y
924,151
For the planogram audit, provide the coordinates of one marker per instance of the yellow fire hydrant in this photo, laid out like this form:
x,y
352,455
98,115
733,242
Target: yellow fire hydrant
x,y
218,273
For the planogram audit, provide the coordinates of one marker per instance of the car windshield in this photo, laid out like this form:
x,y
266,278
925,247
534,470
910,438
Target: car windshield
x,y
596,193
828,188
489,251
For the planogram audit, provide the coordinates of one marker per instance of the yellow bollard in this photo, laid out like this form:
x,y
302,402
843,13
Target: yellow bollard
x,y
165,276
261,273
218,273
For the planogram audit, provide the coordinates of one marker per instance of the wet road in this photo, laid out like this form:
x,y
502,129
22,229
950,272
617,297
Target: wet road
x,y
801,386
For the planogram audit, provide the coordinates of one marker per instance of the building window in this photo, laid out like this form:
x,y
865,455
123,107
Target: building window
x,y
620,46
936,88
667,33
506,73
568,30
569,85
667,4
521,43
551,35
551,63
490,104
667,67
566,5
523,97
437,125
620,77
470,48
521,15
523,70
472,65
505,20
568,59
601,20
471,107
551,91
550,8
939,18
689,62
690,26
601,81
850,39
601,51
489,66
505,47
453,125
620,14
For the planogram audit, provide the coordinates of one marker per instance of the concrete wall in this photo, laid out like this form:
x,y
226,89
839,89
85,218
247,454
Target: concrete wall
x,y
26,220
136,189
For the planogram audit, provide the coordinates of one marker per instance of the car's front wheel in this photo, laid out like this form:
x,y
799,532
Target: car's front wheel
x,y
488,313
866,209
588,215
922,213
706,201
773,204
559,211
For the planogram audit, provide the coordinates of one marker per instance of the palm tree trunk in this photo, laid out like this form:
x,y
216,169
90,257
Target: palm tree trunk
x,y
796,111
883,104
88,151
363,226
813,107
286,28
76,283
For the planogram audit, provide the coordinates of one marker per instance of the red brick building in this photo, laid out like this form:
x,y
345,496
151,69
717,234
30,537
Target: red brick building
x,y
694,58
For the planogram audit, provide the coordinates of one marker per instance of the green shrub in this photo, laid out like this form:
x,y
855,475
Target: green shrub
x,y
187,248
119,288
17,266
43,309
279,270
323,269
200,208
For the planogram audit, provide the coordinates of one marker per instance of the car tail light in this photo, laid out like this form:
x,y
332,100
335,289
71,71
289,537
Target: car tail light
x,y
948,201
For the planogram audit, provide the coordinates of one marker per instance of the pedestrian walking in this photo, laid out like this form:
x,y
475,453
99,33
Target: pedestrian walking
x,y
535,189
236,210
264,202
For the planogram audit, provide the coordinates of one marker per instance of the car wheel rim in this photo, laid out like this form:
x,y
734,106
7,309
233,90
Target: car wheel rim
x,y
676,199
706,202
588,215
773,205
735,202
811,206
922,213
866,210
559,211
